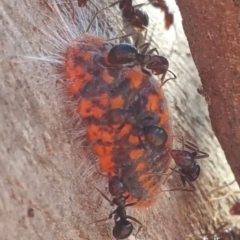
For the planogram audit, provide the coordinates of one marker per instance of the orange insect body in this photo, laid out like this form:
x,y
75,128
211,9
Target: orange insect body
x,y
99,87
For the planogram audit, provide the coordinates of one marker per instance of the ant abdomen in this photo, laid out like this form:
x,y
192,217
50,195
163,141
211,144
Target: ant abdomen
x,y
122,229
192,174
122,53
139,20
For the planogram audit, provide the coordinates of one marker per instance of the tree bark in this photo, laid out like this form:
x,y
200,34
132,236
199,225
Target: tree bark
x,y
213,33
46,192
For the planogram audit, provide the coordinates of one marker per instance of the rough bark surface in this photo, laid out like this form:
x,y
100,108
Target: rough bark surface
x,y
213,32
44,192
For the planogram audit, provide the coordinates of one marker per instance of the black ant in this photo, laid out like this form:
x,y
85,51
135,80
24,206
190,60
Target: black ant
x,y
125,53
123,227
169,18
136,17
220,233
185,160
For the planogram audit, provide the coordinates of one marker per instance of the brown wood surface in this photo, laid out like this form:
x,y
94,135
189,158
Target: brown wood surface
x,y
215,29
46,188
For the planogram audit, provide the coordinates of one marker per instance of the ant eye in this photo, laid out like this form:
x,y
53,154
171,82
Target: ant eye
x,y
122,229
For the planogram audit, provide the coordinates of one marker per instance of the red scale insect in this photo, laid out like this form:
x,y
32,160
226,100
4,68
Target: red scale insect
x,y
122,112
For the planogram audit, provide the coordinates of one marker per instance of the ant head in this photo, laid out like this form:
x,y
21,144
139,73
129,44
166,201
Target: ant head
x,y
122,53
140,20
122,229
123,3
158,65
127,9
115,186
192,175
155,136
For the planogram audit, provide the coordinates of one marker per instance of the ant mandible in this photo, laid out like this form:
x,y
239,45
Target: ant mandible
x,y
185,160
123,227
125,53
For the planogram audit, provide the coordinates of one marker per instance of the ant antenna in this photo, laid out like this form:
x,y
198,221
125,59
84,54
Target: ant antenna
x,y
165,81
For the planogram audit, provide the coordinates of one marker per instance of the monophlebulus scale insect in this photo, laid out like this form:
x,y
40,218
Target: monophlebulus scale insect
x,y
108,96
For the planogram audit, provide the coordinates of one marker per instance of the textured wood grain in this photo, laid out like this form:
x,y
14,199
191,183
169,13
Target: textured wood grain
x,y
218,66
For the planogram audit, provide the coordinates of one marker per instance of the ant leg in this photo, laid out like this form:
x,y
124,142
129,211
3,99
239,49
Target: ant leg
x,y
180,139
225,185
130,98
153,50
98,221
178,189
73,11
137,41
123,36
204,155
165,81
104,219
145,35
145,46
135,220
190,184
112,4
193,147
104,195
140,5
184,179
144,145
97,11
220,228
183,143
